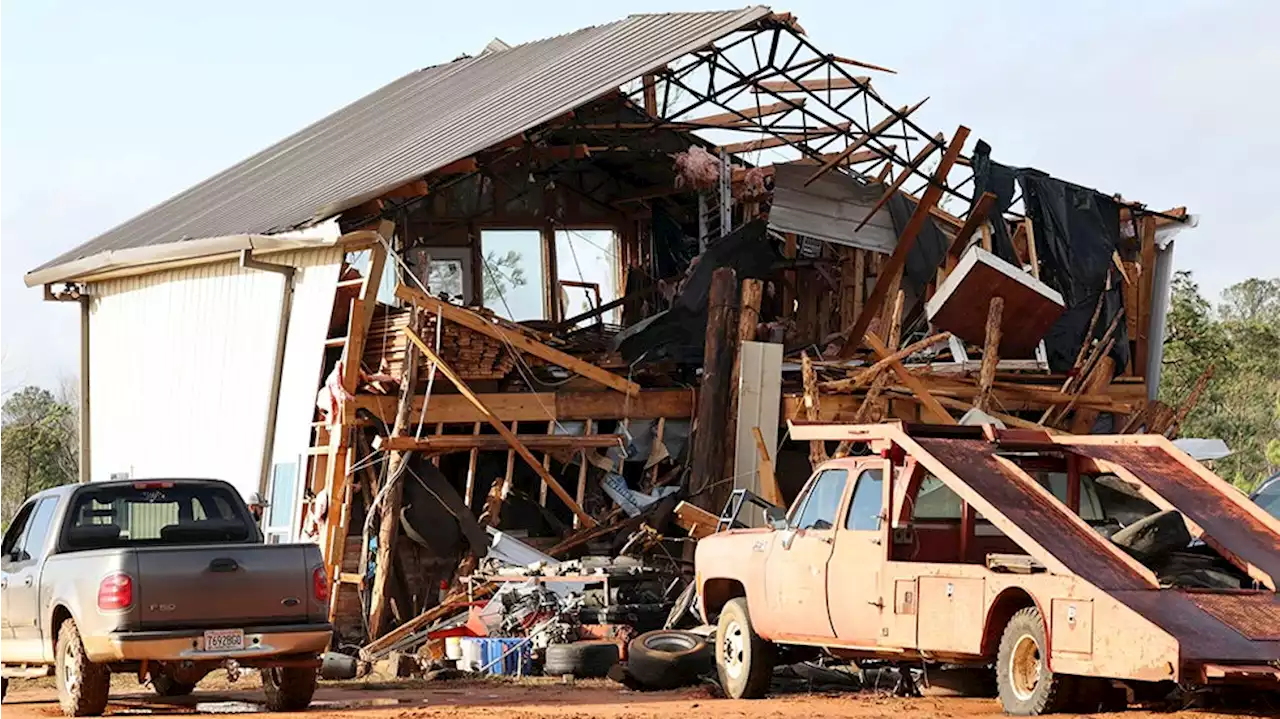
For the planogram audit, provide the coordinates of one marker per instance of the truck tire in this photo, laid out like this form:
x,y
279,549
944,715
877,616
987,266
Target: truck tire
x,y
590,659
288,689
165,685
744,661
82,685
666,658
1025,685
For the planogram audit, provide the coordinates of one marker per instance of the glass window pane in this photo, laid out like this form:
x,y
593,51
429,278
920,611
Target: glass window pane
x,y
513,276
935,500
445,277
283,480
588,257
823,501
868,499
140,516
41,524
13,535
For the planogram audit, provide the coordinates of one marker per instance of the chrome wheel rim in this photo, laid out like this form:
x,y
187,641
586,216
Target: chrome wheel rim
x,y
733,649
70,670
1025,666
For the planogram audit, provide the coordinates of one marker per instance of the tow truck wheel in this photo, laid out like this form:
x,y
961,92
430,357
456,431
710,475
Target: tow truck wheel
x,y
744,661
288,689
1026,686
82,685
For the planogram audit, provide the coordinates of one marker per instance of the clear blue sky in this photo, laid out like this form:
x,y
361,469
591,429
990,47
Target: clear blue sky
x,y
109,108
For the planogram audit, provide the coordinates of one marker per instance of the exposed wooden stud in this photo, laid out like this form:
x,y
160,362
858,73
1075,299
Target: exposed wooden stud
x,y
472,460
546,464
1032,255
990,354
1096,383
856,145
812,412
498,425
581,489
362,310
893,268
651,95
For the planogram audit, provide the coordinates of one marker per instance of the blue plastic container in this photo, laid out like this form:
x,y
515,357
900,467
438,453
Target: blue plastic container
x,y
510,657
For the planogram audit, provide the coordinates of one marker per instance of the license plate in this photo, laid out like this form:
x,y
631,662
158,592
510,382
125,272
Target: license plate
x,y
223,640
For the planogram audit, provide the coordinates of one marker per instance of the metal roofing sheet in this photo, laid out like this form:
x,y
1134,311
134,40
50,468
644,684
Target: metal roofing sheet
x,y
414,125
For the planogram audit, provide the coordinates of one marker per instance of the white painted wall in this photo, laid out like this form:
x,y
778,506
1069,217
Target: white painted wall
x,y
181,362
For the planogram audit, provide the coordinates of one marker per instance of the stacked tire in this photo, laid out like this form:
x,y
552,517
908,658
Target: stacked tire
x,y
667,659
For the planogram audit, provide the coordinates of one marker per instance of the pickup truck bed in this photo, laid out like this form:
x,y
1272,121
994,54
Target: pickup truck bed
x,y
167,577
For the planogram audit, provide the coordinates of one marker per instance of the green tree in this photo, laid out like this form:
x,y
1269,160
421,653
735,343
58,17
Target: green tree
x,y
38,443
1241,339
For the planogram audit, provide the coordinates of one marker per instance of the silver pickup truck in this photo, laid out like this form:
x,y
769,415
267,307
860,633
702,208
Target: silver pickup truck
x,y
165,579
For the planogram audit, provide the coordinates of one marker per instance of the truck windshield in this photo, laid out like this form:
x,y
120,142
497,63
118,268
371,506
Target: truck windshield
x,y
155,514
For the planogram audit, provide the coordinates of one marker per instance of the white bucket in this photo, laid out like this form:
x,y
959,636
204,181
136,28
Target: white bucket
x,y
471,654
453,648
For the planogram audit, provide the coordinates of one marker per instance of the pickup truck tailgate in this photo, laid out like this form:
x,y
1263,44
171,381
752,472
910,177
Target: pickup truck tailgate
x,y
229,585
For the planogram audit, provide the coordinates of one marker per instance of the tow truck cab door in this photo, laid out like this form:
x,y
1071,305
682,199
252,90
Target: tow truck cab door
x,y
795,576
853,575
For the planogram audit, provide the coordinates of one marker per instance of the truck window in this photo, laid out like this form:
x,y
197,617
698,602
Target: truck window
x,y
37,536
156,513
935,500
819,507
868,500
1056,483
13,535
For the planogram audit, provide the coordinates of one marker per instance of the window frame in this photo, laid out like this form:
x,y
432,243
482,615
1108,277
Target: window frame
x,y
800,507
863,471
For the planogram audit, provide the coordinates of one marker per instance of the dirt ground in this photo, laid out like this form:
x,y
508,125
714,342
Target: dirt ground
x,y
526,699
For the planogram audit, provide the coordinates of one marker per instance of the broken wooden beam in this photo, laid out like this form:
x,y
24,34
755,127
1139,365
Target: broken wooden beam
x,y
856,145
519,448
914,166
865,376
892,269
729,119
517,340
769,489
990,354
695,520
815,85
816,133
917,386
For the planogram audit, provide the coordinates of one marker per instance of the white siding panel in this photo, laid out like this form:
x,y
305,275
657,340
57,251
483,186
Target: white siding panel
x,y
181,362
759,405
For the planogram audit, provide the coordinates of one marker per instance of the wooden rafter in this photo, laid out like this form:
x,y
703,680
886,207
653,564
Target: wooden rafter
x,y
780,140
836,83
902,113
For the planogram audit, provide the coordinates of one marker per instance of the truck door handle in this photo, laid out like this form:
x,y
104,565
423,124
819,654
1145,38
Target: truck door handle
x,y
223,564
4,583
26,581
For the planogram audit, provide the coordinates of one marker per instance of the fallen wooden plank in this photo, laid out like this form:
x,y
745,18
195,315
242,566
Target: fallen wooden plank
x,y
918,388
586,519
865,376
469,319
695,520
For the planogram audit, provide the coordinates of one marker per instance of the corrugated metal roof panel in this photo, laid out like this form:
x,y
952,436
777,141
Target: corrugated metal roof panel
x,y
414,125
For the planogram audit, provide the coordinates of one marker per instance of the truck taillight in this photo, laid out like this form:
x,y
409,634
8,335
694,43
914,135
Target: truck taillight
x,y
115,592
320,585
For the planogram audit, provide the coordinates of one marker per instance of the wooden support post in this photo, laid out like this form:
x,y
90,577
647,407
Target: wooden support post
x,y
497,424
389,509
892,269
581,490
990,354
812,412
709,450
1146,288
546,464
651,95
1032,255
472,460
439,432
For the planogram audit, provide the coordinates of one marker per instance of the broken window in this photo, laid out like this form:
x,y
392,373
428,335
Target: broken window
x,y
818,510
935,500
586,268
513,273
868,499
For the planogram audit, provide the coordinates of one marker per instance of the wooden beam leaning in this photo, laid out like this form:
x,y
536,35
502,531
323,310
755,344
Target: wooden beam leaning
x,y
362,309
516,445
913,382
916,163
471,320
865,376
879,127
893,267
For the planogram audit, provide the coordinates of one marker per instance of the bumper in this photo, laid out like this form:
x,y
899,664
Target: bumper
x,y
188,644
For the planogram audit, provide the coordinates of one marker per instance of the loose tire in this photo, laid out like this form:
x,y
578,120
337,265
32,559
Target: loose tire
x,y
82,685
666,658
1026,686
165,685
581,659
744,661
288,689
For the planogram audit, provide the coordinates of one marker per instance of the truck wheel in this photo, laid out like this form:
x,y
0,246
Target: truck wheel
x,y
669,658
166,686
744,661
1026,686
289,689
581,659
82,685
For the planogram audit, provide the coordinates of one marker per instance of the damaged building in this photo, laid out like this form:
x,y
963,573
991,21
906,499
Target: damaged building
x,y
572,290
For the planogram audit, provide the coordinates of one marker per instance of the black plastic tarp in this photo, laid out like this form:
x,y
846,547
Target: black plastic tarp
x,y
1077,230
989,176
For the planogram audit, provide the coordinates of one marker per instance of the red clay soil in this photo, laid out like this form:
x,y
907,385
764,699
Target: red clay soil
x,y
527,700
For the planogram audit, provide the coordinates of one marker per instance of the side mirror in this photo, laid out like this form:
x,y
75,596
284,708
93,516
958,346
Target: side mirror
x,y
776,516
